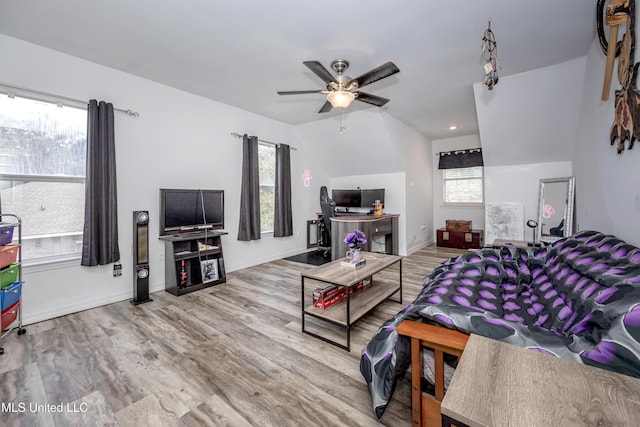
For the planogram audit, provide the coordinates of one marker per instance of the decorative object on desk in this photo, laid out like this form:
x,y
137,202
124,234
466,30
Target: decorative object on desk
x,y
353,255
377,208
355,240
533,224
355,263
209,268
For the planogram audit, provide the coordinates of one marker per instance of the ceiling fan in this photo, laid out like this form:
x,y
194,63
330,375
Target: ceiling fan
x,y
341,89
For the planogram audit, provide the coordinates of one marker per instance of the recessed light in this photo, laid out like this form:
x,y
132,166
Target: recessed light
x,y
453,127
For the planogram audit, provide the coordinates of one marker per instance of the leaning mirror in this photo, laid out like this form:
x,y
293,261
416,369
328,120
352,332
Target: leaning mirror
x,y
555,208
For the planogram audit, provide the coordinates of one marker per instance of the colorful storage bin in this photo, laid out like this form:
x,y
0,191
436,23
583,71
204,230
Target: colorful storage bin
x,y
10,315
6,233
9,275
8,254
10,295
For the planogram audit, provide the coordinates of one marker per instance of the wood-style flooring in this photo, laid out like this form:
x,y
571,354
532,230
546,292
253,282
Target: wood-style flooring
x,y
230,355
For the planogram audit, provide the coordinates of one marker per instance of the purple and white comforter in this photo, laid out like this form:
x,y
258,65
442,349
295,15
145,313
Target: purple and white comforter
x,y
578,299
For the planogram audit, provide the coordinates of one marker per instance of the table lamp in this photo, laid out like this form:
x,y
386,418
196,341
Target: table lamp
x,y
533,224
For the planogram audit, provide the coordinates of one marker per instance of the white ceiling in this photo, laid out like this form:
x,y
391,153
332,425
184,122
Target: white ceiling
x,y
242,52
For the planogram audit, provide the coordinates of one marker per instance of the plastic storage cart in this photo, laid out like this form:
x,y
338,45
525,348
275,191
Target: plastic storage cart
x,y
10,277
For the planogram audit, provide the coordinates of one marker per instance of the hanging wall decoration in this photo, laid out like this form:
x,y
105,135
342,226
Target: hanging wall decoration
x,y
626,122
306,178
490,47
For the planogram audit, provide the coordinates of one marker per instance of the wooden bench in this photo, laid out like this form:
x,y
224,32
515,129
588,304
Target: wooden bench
x,y
425,408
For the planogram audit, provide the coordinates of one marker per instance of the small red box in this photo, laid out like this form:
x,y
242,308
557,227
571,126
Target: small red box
x,y
8,254
10,315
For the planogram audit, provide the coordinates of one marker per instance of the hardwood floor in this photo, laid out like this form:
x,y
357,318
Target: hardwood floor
x,y
230,355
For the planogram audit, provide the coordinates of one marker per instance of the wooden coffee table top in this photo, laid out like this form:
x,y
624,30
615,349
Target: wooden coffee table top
x,y
341,275
499,384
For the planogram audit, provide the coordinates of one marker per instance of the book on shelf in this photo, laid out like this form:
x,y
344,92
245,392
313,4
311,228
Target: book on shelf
x,y
354,264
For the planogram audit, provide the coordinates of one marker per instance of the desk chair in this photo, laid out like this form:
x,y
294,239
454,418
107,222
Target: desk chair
x,y
328,207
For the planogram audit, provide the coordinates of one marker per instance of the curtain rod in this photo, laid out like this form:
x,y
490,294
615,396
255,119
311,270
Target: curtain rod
x,y
237,135
53,95
466,150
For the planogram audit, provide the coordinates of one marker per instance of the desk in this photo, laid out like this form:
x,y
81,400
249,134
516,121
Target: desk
x,y
374,227
499,384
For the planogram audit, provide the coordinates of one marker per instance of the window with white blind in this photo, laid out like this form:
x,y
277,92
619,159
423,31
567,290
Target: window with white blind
x,y
463,186
267,182
42,175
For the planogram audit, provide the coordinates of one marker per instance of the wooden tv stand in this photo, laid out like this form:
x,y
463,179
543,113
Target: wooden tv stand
x,y
184,247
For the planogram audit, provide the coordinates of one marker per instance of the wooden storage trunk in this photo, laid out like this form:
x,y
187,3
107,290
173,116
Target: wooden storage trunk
x,y
473,239
458,225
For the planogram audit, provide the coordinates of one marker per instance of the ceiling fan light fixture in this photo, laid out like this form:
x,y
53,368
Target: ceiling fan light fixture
x,y
340,98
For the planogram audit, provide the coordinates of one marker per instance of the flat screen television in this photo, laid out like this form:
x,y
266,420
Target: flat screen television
x,y
190,210
346,198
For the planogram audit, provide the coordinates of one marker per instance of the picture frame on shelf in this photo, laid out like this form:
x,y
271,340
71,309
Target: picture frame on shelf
x,y
209,270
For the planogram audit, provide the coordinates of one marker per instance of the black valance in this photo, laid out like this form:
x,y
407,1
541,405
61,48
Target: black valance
x,y
461,159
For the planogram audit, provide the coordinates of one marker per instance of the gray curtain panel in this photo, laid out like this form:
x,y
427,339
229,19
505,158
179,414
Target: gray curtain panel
x,y
282,220
100,234
249,227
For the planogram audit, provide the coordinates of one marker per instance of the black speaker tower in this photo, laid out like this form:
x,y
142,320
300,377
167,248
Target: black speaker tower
x,y
140,257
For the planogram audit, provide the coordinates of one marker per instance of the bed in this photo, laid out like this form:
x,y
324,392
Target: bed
x,y
578,299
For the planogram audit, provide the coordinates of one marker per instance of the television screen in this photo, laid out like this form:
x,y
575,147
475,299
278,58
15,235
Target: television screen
x,y
188,210
346,198
368,197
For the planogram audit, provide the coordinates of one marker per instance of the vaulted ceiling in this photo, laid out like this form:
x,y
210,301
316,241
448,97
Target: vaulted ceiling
x,y
242,52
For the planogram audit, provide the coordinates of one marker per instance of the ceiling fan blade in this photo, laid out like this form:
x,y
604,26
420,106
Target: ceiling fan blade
x,y
385,70
326,107
371,99
298,92
319,70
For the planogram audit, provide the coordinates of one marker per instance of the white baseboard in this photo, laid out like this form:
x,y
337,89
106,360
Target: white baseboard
x,y
76,307
419,246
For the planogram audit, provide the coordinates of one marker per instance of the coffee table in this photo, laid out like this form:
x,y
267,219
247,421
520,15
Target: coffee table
x,y
355,305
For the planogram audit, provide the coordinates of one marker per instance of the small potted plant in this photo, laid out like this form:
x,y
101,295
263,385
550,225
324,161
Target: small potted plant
x,y
355,240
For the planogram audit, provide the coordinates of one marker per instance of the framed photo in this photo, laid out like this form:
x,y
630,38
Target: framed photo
x,y
209,269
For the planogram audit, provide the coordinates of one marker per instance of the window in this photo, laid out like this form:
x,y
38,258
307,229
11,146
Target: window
x,y
463,185
42,173
267,172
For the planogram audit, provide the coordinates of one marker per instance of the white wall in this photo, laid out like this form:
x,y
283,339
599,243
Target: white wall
x,y
441,213
607,190
375,144
179,141
531,117
521,184
527,131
